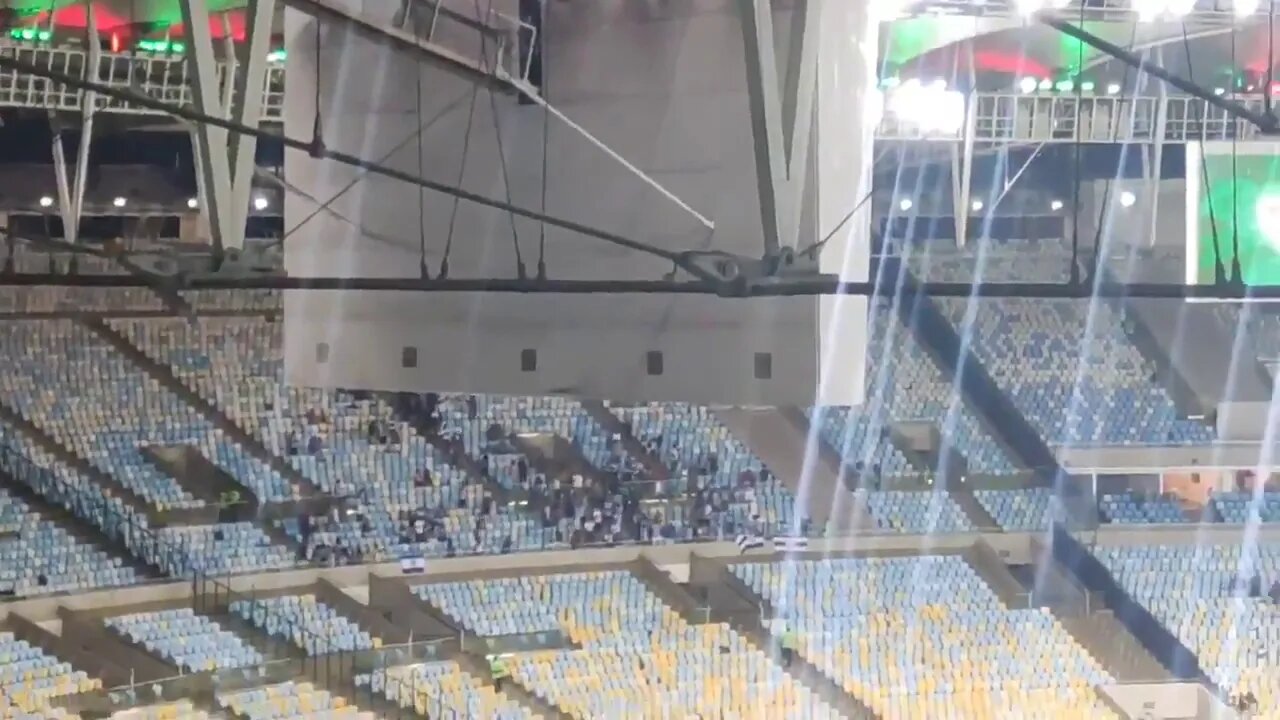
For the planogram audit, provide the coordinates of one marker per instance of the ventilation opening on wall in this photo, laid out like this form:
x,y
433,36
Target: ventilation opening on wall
x,y
653,362
528,360
322,352
764,366
409,357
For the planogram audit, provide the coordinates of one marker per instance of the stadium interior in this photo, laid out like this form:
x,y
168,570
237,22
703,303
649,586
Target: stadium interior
x,y
1045,507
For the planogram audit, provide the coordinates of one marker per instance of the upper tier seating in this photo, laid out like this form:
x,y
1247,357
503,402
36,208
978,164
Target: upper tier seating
x,y
192,642
1071,370
227,548
306,622
916,511
1236,507
291,701
1027,509
31,680
39,549
693,443
638,658
442,689
1133,508
105,409
1068,365
1193,591
924,637
238,364
905,385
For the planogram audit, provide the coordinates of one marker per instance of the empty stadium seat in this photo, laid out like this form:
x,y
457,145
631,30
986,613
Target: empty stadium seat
x,y
637,657
306,622
192,642
924,637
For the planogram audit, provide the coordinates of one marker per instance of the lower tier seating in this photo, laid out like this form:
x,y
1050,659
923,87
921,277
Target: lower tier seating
x,y
924,637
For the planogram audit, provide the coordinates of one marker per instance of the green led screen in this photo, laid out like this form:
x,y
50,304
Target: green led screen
x,y
1234,193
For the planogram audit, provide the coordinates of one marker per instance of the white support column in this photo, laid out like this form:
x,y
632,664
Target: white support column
x,y
962,170
225,163
1156,148
781,116
71,188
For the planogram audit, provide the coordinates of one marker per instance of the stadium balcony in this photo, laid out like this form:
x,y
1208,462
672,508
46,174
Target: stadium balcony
x,y
926,637
629,653
1199,593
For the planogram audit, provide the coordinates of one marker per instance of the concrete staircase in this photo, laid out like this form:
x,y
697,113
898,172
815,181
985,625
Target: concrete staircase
x,y
478,667
108,483
973,509
749,625
78,528
1111,644
615,426
165,376
989,566
780,438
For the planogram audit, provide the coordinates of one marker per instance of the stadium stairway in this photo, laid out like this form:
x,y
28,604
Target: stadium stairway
x,y
219,419
109,484
89,633
1157,641
477,667
973,509
392,600
96,665
79,529
780,438
1001,417
615,426
1155,332
989,566
721,609
452,450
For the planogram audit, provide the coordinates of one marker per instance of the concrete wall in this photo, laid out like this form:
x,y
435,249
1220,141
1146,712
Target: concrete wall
x,y
1154,458
662,85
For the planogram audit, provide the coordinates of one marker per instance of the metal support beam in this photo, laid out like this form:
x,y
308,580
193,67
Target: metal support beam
x,y
226,162
1156,166
962,172
781,117
1264,122
71,189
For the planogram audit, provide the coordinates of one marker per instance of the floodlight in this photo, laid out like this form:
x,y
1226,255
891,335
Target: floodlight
x,y
976,205
119,202
905,204
260,203
1245,8
1028,85
1056,205
193,203
1031,7
1127,199
46,201
1113,88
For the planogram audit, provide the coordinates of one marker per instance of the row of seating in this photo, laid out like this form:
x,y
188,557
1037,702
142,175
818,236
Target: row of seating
x,y
192,642
39,557
1200,593
306,622
291,701
925,637
633,657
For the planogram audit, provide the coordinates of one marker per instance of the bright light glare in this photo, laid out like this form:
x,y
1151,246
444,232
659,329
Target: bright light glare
x,y
260,203
1028,85
932,108
119,202
976,205
1113,88
193,203
1030,7
1127,199
1245,8
1056,205
905,204
1149,10
46,201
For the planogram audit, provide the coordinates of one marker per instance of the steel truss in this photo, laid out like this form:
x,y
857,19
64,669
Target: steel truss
x,y
217,122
